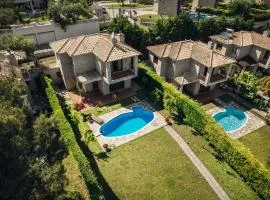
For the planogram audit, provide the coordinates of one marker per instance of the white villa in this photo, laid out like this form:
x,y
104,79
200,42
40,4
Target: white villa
x,y
250,49
192,66
98,62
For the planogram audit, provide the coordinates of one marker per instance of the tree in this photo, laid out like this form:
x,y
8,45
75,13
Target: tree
x,y
16,43
249,83
135,36
240,8
265,85
173,29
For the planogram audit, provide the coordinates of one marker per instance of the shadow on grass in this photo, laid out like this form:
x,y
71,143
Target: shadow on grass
x,y
108,192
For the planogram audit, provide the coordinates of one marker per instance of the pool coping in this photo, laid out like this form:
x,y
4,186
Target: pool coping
x,y
253,123
242,126
156,123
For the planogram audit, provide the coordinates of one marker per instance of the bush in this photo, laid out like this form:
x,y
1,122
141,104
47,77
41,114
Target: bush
x,y
66,131
234,153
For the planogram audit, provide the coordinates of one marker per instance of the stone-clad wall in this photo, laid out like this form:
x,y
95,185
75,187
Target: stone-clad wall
x,y
167,7
203,3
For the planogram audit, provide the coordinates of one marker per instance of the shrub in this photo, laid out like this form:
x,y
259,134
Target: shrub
x,y
234,153
66,131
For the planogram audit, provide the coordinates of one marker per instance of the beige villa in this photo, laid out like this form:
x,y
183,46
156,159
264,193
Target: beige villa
x,y
98,62
192,66
250,49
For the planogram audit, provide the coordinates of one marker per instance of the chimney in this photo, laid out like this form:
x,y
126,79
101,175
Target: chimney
x,y
11,58
120,37
114,40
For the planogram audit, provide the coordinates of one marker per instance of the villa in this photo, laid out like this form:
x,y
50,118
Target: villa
x,y
98,62
192,66
250,49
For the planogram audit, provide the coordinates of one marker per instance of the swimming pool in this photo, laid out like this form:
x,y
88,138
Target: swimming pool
x,y
231,119
127,123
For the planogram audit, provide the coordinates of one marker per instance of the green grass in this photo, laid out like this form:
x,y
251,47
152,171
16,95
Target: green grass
x,y
153,167
258,143
224,174
150,18
108,108
75,180
130,5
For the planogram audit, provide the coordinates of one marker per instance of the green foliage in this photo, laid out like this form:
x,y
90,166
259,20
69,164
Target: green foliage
x,y
133,33
231,151
68,135
173,29
240,7
68,11
249,83
15,42
11,90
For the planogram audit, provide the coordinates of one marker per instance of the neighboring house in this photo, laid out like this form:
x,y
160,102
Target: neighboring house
x,y
190,65
250,49
168,7
98,62
203,3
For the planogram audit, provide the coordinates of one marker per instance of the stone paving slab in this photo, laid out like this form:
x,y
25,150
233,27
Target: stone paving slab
x,y
157,123
253,123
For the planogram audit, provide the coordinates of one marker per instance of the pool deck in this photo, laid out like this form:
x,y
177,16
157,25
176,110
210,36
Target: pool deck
x,y
157,123
252,124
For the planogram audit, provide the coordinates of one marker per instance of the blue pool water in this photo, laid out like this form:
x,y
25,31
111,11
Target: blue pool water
x,y
127,123
231,119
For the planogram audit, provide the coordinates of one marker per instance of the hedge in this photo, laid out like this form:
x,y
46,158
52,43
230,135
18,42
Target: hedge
x,y
66,131
231,151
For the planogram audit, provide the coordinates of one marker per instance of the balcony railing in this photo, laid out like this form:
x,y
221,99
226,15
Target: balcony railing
x,y
217,77
122,74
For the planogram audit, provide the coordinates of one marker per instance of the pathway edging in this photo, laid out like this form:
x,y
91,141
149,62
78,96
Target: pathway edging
x,y
198,164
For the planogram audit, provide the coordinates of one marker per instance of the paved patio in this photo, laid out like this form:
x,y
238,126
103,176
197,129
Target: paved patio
x,y
252,124
157,122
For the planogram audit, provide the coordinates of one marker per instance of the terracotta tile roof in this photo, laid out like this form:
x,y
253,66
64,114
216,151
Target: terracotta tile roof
x,y
100,45
189,49
244,38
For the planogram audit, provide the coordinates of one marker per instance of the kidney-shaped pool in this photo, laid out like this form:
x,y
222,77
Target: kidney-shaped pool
x,y
127,123
231,119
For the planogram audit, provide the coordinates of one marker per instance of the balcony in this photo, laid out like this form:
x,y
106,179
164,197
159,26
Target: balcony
x,y
122,74
201,77
217,78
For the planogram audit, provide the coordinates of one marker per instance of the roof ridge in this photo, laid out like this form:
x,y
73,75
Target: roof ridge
x,y
83,37
166,45
211,61
63,45
179,50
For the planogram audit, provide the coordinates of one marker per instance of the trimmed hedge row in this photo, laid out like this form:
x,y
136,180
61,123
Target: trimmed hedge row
x,y
66,131
231,151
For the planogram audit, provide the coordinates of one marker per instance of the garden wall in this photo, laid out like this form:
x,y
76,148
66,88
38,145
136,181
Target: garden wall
x,y
229,150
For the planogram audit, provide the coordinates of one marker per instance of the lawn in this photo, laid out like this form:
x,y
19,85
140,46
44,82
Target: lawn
x,y
225,175
153,167
258,142
150,18
108,108
75,180
129,5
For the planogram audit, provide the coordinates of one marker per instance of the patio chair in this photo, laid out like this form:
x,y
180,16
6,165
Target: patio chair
x,y
96,119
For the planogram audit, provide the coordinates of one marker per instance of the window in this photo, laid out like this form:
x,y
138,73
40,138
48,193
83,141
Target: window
x,y
132,63
58,74
234,51
205,71
218,46
266,55
117,86
155,59
117,66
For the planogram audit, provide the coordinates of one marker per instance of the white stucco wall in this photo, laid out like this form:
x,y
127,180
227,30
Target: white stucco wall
x,y
83,64
243,51
43,33
256,53
181,66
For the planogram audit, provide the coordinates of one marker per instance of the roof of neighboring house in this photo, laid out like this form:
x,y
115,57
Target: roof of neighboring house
x,y
243,38
19,55
100,45
189,49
